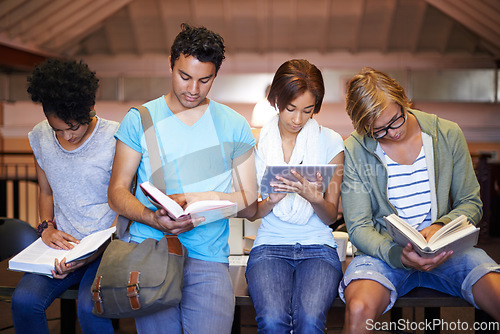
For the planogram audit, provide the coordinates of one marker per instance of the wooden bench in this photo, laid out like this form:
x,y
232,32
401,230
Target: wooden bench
x,y
429,299
68,307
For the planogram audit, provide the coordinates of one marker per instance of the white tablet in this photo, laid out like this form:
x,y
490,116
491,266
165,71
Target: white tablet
x,y
307,171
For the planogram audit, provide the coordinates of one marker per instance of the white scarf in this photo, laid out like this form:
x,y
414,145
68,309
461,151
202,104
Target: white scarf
x,y
293,208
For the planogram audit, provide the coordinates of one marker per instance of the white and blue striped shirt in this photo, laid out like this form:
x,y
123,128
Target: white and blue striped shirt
x,y
409,190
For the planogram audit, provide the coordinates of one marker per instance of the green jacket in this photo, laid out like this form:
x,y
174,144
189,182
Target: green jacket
x,y
454,186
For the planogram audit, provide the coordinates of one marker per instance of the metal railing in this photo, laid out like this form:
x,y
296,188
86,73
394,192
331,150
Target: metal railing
x,y
18,186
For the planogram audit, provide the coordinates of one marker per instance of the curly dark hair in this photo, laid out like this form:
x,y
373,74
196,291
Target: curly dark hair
x,y
65,88
199,42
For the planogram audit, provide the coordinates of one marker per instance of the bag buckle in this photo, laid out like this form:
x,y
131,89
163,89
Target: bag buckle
x,y
133,290
97,296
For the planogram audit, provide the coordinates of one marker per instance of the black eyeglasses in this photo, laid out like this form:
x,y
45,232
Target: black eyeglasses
x,y
397,123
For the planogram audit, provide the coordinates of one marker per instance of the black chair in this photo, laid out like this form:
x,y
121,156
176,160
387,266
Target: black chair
x,y
15,235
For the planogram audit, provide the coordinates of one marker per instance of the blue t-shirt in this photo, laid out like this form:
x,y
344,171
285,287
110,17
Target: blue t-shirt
x,y
195,158
274,231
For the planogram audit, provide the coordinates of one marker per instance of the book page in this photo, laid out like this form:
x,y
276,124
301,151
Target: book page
x,y
452,227
39,252
39,257
407,230
156,195
89,245
207,205
450,237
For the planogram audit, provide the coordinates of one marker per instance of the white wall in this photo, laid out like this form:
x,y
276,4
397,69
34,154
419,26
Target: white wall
x,y
479,121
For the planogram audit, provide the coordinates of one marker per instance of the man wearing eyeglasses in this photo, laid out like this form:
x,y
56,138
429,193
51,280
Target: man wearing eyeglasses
x,y
416,165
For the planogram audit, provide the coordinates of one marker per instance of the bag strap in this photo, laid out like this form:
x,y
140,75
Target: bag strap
x,y
154,151
123,224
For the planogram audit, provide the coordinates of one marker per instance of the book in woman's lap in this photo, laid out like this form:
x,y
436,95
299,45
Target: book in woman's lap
x,y
457,236
39,258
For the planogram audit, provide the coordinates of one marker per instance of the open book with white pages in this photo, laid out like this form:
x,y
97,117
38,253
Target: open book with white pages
x,y
457,235
39,258
212,210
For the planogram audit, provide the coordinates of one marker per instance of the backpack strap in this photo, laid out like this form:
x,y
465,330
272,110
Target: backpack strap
x,y
157,177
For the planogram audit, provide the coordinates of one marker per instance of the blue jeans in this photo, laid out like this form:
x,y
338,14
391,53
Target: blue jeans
x,y
34,294
293,286
207,304
455,277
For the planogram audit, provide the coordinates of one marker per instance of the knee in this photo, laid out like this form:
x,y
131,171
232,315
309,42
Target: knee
x,y
274,323
310,323
21,304
360,308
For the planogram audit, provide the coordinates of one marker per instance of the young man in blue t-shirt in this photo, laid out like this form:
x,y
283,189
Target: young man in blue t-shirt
x,y
204,146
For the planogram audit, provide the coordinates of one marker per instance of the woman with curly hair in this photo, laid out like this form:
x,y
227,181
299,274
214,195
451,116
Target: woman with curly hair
x,y
74,152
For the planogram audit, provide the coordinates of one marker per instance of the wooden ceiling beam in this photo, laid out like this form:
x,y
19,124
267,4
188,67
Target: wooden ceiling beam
x,y
79,25
57,13
20,14
41,20
360,7
388,24
477,16
17,59
419,19
7,6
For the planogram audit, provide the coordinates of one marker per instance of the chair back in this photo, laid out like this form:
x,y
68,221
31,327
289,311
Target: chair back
x,y
15,235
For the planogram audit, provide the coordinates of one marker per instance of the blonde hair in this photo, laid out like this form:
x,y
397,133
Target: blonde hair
x,y
368,94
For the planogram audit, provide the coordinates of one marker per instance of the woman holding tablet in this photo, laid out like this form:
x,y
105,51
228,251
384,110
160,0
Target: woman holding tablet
x,y
293,270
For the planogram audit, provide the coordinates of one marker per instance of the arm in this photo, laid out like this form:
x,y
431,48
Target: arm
x,y
50,236
123,202
245,186
357,191
325,206
464,189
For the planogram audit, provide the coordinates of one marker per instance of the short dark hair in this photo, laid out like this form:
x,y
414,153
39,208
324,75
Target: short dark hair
x,y
293,78
199,42
65,88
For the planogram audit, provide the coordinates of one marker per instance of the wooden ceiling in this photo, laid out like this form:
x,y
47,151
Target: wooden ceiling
x,y
31,30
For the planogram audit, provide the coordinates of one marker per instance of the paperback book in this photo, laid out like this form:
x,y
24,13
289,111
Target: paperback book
x,y
457,235
212,210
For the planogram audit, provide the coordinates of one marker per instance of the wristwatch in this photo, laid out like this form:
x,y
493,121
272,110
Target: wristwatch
x,y
45,224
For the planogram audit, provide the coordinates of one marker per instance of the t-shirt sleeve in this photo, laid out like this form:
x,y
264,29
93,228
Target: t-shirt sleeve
x,y
130,131
332,143
35,145
244,139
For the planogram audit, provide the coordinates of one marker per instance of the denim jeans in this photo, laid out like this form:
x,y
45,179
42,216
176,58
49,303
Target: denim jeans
x,y
293,286
455,277
34,294
207,304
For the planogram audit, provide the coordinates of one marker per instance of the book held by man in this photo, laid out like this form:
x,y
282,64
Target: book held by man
x,y
457,235
39,257
212,210
309,172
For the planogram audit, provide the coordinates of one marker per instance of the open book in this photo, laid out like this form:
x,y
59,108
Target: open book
x,y
39,258
457,235
307,171
212,210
